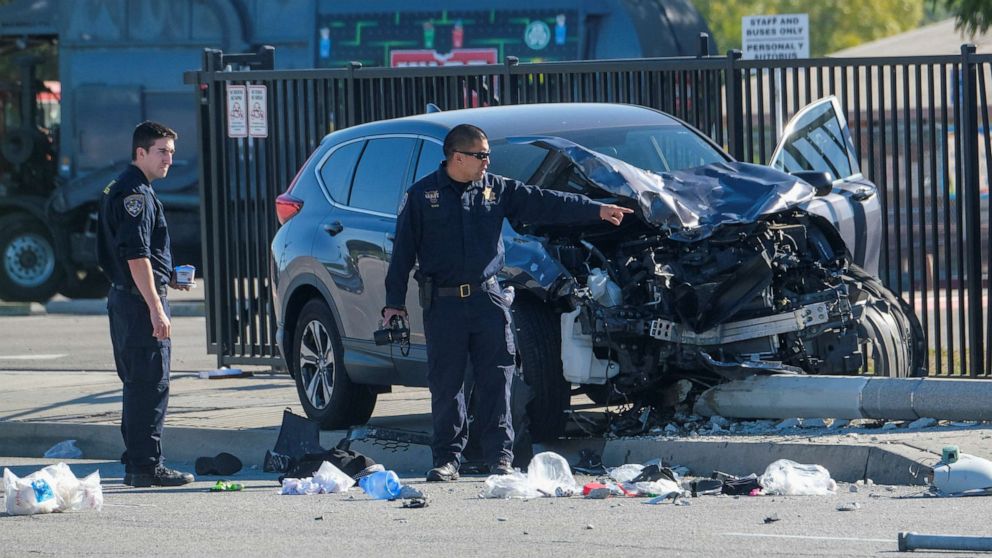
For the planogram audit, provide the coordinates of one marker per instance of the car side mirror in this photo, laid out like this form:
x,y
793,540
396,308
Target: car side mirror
x,y
822,182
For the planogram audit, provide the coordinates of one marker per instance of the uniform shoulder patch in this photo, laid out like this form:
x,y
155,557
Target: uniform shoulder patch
x,y
402,203
134,204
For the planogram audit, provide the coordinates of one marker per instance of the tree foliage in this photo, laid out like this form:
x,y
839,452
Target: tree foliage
x,y
833,24
973,16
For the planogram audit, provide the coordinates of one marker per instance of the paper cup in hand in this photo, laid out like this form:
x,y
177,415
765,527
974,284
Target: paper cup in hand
x,y
185,274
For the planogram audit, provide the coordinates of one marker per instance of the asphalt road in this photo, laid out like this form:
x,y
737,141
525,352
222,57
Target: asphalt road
x,y
67,342
259,522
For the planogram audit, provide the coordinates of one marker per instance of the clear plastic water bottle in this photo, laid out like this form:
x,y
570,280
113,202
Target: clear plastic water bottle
x,y
381,485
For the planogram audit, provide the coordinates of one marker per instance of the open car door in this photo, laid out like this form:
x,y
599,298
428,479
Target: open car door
x,y
817,139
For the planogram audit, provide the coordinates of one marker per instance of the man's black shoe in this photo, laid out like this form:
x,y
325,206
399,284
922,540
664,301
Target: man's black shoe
x,y
161,476
223,464
444,473
501,468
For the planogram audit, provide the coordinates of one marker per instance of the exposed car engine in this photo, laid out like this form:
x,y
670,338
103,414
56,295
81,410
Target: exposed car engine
x,y
777,295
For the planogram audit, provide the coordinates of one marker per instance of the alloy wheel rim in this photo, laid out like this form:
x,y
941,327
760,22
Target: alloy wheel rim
x,y
317,364
29,260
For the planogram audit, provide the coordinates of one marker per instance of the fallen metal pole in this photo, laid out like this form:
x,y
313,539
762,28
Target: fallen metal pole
x,y
848,397
915,541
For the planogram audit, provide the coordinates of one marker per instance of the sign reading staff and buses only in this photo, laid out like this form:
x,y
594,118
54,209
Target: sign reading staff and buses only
x,y
775,37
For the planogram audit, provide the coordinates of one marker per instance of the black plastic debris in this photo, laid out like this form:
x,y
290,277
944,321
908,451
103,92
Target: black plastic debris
x,y
590,463
415,503
740,486
705,487
653,472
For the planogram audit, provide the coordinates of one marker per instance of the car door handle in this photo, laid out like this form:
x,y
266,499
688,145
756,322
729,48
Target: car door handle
x,y
390,236
334,228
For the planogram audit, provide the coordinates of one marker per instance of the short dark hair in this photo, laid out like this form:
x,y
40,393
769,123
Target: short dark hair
x,y
461,137
147,133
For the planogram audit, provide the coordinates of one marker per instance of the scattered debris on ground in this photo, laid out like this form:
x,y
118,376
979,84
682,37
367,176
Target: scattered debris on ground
x,y
66,449
961,474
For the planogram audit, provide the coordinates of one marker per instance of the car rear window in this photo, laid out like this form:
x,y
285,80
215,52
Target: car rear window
x,y
338,169
379,178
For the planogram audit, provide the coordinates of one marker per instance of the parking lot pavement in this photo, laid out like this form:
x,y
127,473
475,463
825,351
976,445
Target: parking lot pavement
x,y
243,415
183,303
59,383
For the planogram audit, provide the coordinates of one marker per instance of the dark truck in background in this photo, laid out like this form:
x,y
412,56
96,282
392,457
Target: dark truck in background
x,y
122,62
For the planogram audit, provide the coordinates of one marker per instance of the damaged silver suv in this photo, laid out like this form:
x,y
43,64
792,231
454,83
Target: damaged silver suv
x,y
729,269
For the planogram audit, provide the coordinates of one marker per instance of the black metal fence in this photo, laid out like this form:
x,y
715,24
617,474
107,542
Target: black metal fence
x,y
919,124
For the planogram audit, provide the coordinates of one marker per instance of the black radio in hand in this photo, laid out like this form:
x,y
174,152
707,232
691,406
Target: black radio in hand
x,y
396,332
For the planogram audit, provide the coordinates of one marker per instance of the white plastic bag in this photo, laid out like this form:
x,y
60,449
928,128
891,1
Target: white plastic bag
x,y
65,449
516,485
91,492
300,486
331,479
66,487
661,487
789,478
625,473
30,495
550,474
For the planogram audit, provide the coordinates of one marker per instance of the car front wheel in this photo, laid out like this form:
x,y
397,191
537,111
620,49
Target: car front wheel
x,y
895,343
326,392
539,344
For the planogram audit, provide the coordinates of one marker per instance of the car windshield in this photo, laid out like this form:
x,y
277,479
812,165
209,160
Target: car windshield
x,y
654,148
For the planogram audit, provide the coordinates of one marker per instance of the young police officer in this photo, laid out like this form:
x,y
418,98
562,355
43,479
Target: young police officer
x,y
451,223
135,254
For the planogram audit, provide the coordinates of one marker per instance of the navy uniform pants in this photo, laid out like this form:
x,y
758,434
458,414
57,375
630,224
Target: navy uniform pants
x,y
143,366
477,330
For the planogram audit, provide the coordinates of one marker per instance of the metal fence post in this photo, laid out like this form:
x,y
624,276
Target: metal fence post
x,y
972,208
507,94
206,139
349,92
733,78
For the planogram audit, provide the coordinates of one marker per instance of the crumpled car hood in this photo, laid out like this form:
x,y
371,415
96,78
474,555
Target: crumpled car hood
x,y
688,204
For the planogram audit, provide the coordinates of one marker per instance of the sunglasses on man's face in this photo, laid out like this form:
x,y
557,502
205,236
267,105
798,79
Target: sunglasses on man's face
x,y
480,155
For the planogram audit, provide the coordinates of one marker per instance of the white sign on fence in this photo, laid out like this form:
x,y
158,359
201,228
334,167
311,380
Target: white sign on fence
x,y
775,37
237,119
258,111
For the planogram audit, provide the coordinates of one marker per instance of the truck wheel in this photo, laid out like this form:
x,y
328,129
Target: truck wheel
x,y
896,346
539,345
29,270
93,285
326,392
17,146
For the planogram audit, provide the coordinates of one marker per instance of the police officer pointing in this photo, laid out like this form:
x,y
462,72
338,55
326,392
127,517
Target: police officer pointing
x,y
451,222
136,255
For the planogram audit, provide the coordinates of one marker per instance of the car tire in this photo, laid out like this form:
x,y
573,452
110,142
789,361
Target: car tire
x,y
29,267
539,345
326,392
895,344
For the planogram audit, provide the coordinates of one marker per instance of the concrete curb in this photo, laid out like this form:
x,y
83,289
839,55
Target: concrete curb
x,y
98,307
21,309
894,464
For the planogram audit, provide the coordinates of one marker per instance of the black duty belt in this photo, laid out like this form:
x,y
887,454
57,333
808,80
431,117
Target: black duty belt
x,y
466,290
161,289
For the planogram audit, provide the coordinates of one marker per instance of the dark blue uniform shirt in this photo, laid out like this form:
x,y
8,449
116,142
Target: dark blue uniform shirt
x,y
131,226
454,228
